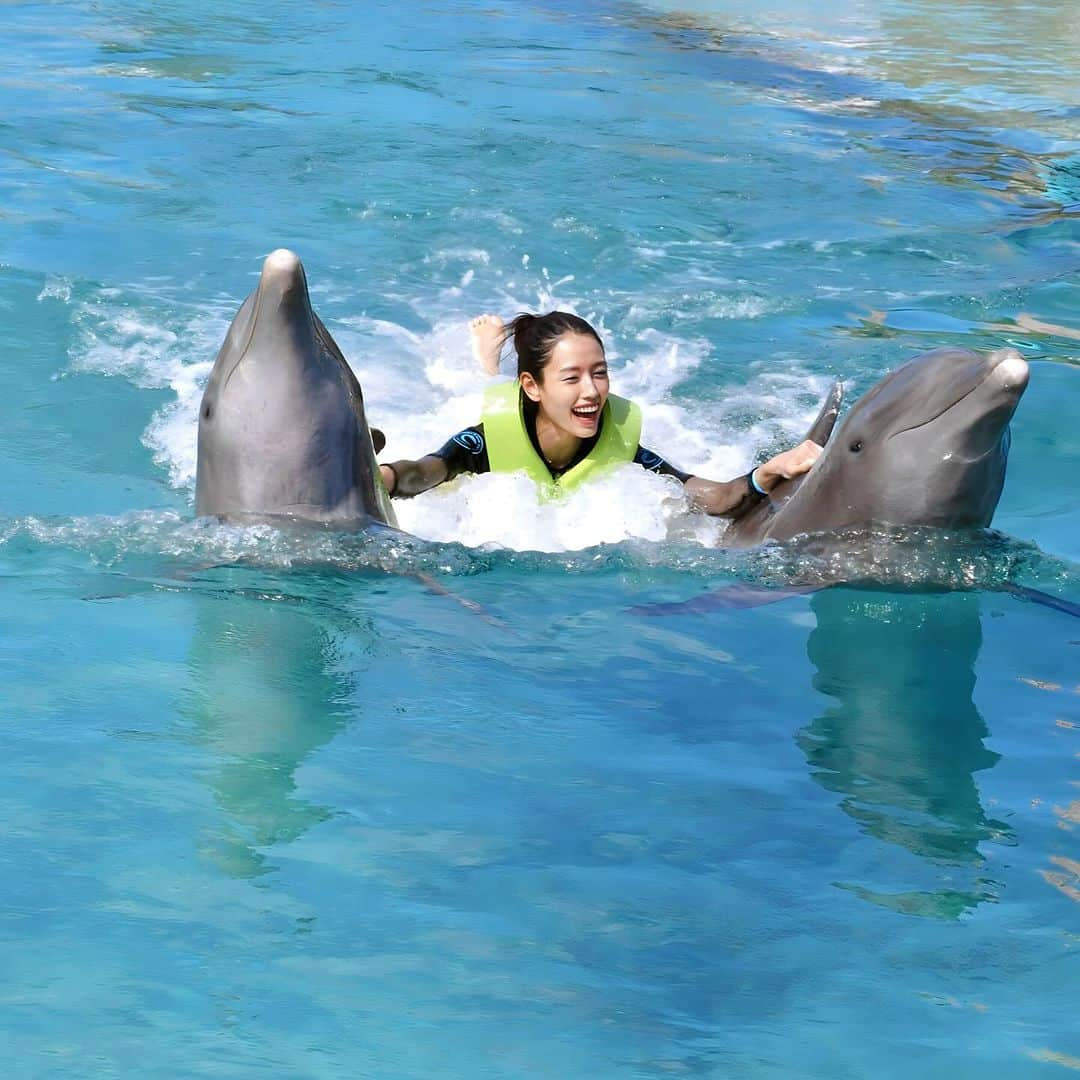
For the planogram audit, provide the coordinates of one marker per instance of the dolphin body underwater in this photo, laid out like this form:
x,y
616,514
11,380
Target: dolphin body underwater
x,y
282,431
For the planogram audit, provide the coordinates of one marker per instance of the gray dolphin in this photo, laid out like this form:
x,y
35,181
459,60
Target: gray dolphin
x,y
926,446
282,432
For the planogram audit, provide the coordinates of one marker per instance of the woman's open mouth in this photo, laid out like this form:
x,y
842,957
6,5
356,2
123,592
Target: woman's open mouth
x,y
587,414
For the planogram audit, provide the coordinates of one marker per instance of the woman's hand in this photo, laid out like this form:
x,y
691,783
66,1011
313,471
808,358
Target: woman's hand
x,y
791,463
389,478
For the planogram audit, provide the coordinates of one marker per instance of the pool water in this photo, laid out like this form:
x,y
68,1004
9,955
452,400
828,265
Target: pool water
x,y
512,794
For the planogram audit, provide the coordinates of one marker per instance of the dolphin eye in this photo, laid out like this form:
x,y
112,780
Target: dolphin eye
x,y
856,446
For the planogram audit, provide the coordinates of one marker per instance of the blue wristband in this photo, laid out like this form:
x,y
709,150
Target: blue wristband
x,y
754,483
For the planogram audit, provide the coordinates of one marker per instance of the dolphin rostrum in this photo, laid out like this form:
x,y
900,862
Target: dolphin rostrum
x,y
926,446
282,432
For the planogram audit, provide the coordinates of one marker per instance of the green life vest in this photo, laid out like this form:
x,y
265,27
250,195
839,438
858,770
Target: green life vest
x,y
511,450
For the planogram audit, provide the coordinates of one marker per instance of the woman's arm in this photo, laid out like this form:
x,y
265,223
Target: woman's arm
x,y
464,452
728,499
735,497
404,479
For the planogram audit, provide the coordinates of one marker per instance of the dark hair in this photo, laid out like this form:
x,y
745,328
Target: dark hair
x,y
535,336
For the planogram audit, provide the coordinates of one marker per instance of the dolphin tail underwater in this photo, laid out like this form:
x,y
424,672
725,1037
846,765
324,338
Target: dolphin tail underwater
x,y
282,430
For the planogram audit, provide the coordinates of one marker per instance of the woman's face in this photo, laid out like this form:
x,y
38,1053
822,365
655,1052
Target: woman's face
x,y
574,385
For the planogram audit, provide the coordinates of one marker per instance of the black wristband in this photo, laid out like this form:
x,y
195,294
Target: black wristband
x,y
752,492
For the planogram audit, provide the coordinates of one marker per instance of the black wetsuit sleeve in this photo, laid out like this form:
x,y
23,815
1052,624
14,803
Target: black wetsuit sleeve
x,y
465,452
655,463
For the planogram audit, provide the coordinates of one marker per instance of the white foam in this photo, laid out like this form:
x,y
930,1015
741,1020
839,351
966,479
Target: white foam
x,y
56,288
155,347
505,511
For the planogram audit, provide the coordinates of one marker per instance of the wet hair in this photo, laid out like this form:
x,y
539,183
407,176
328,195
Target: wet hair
x,y
535,336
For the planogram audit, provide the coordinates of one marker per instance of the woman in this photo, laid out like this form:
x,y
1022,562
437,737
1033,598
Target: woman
x,y
560,424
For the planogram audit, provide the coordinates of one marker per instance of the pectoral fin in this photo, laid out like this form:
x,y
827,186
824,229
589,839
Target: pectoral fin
x,y
729,598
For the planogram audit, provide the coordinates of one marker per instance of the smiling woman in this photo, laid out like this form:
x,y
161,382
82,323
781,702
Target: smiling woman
x,y
560,424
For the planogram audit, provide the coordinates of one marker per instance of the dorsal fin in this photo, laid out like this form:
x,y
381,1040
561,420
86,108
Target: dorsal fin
x,y
822,427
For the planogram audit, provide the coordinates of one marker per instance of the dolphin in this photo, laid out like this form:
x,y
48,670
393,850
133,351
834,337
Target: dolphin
x,y
926,446
282,431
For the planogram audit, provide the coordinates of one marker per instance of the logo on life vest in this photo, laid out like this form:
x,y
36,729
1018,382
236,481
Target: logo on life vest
x,y
472,441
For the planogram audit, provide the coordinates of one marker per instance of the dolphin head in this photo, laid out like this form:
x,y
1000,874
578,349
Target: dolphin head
x,y
926,446
282,430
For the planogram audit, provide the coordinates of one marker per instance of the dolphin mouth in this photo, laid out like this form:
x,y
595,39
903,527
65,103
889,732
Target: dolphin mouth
x,y
250,337
1010,378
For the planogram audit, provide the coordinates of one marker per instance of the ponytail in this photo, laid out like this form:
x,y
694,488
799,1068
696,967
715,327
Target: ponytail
x,y
535,336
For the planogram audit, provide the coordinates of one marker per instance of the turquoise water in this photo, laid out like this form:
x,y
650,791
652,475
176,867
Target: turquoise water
x,y
275,805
